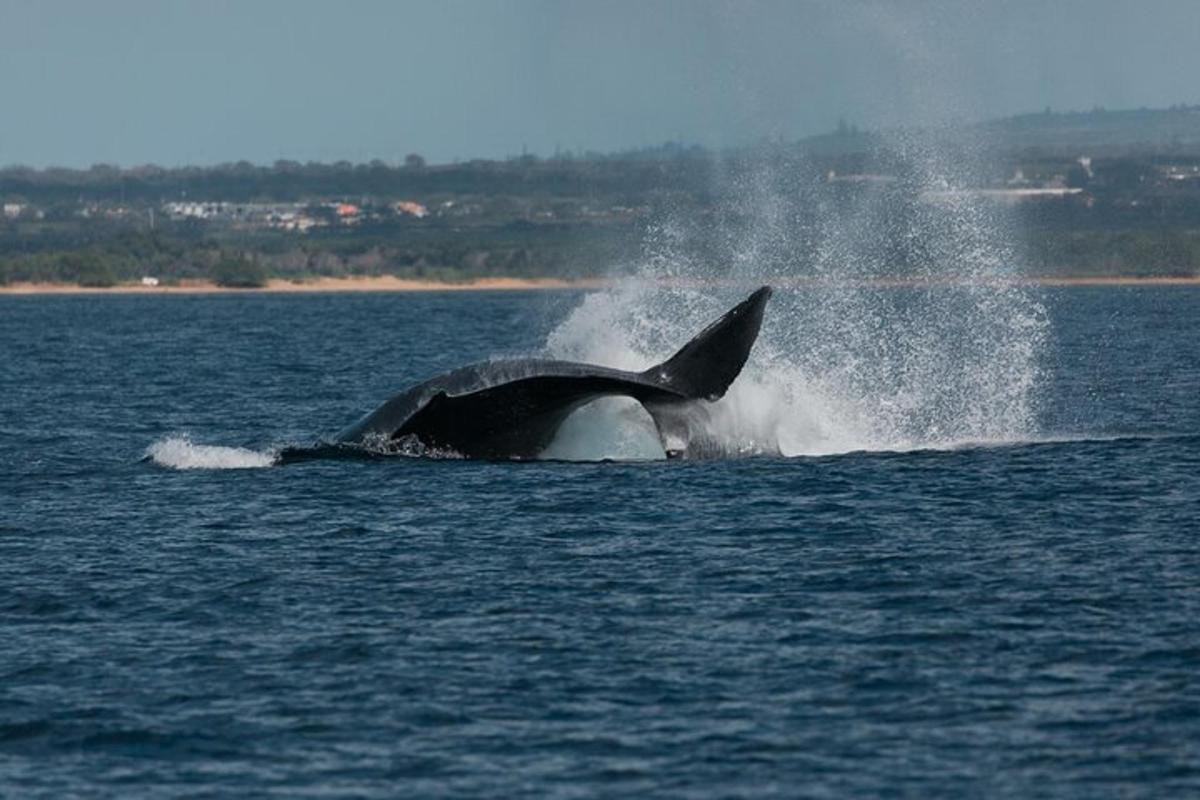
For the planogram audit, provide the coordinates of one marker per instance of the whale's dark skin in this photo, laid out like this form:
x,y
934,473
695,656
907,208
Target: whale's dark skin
x,y
512,409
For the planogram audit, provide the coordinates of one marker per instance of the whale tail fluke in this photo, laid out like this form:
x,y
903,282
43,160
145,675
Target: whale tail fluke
x,y
507,410
704,368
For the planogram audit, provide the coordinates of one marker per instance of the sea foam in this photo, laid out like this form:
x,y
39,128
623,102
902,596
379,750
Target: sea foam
x,y
179,452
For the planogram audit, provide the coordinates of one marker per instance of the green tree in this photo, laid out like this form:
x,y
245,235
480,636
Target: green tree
x,y
239,272
87,269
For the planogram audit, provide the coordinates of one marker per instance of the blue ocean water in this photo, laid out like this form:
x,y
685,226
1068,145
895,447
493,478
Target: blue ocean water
x,y
1012,619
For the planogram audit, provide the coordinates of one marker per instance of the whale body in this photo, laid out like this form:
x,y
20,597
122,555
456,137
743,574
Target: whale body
x,y
511,409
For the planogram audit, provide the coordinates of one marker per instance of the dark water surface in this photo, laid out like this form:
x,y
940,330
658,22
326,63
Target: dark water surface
x,y
1021,620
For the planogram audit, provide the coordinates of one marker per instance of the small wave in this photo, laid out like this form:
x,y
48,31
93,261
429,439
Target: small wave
x,y
179,452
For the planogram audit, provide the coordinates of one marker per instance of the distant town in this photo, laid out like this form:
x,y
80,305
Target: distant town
x,y
1094,193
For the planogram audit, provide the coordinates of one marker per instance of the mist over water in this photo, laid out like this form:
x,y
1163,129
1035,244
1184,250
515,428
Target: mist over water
x,y
898,325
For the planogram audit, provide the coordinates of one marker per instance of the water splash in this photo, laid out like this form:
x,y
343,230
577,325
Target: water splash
x,y
899,325
179,452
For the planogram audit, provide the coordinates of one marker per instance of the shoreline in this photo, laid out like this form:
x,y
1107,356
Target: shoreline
x,y
393,284
384,283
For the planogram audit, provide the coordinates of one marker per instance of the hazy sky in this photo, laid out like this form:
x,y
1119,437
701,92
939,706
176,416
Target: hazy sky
x,y
155,81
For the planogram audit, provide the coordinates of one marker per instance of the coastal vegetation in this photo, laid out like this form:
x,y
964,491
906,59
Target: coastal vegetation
x,y
1092,194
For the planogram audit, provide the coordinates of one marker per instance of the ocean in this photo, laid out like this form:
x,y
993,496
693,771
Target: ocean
x,y
950,549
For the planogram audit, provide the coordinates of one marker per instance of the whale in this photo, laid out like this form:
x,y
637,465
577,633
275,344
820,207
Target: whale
x,y
512,409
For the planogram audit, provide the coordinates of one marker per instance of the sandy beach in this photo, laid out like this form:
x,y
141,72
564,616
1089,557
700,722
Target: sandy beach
x,y
376,284
393,284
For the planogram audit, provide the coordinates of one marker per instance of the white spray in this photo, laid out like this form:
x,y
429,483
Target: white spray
x,y
179,452
897,324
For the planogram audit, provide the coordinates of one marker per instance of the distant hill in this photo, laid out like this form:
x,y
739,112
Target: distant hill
x,y
1099,132
1142,132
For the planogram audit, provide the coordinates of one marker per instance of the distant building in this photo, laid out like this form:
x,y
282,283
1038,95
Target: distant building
x,y
149,281
1180,172
411,208
833,177
194,210
1005,196
13,210
299,223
